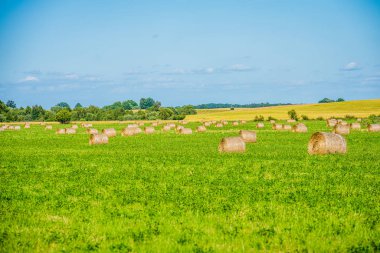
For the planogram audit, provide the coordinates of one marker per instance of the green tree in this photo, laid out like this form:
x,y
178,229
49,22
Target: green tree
x,y
63,105
165,113
129,105
145,103
63,116
326,100
37,112
340,100
77,106
11,104
3,107
293,114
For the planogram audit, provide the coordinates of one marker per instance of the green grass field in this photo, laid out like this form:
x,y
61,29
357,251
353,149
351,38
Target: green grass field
x,y
358,108
176,193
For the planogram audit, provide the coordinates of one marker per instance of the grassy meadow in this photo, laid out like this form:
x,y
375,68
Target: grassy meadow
x,y
358,108
167,192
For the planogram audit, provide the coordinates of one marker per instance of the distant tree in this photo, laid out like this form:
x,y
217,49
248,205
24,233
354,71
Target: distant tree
x,y
340,100
155,107
129,105
232,108
63,105
259,118
3,107
11,104
326,100
187,110
145,103
37,112
304,117
293,114
78,105
63,116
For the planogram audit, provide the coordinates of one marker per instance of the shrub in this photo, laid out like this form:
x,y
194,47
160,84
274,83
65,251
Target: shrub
x,y
271,118
304,117
63,116
259,118
320,118
293,114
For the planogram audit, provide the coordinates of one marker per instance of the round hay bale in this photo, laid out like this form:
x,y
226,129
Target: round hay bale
x,y
48,127
11,127
299,128
92,131
42,123
277,126
286,127
232,144
235,123
86,125
178,128
331,122
326,143
98,139
16,128
149,130
141,124
219,125
243,122
110,132
214,122
344,123
225,122
132,125
207,124
290,121
359,120
201,129
260,125
355,125
70,131
129,131
185,131
60,131
184,122
166,128
154,124
248,136
341,129
74,126
272,121
374,128
27,125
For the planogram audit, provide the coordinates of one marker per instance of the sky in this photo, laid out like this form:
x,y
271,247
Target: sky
x,y
188,51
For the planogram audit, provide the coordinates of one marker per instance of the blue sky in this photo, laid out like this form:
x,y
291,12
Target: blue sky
x,y
188,51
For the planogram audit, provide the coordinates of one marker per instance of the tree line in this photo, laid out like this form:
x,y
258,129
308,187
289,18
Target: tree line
x,y
147,109
222,105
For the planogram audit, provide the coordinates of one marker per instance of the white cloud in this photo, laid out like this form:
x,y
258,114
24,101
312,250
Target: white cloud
x,y
239,67
351,66
71,76
30,79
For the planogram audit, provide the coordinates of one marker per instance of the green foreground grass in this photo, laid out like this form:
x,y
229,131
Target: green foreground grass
x,y
175,193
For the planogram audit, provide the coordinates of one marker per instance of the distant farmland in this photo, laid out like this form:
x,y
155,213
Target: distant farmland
x,y
358,108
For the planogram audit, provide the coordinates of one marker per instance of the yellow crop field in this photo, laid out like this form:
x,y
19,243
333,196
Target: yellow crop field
x,y
358,108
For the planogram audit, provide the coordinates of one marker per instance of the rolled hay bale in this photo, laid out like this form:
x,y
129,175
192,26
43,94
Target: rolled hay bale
x,y
110,132
11,127
213,122
326,143
231,145
16,128
374,128
331,122
27,125
355,125
60,131
166,128
48,127
86,125
219,125
186,131
132,125
74,126
344,123
235,123
201,129
286,127
299,128
225,122
207,124
171,125
272,121
98,139
341,129
141,124
149,130
154,124
277,126
70,130
248,136
178,128
5,127
359,120
129,131
92,131
260,125
42,123
290,121
184,122
243,122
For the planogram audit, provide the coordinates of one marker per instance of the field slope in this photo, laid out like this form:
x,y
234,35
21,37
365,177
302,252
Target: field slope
x,y
358,108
